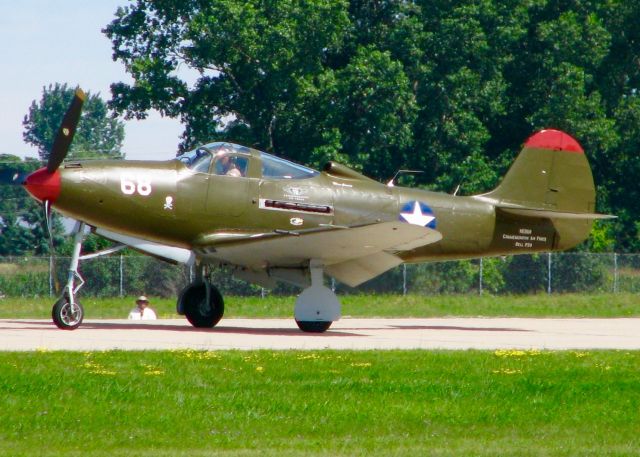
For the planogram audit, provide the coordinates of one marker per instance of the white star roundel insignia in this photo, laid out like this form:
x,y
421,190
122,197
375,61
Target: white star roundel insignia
x,y
418,213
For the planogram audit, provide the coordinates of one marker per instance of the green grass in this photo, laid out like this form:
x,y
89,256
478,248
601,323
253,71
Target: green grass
x,y
543,305
412,403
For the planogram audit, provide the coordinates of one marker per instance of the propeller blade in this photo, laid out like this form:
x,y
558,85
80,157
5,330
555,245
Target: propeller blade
x,y
62,143
52,252
13,177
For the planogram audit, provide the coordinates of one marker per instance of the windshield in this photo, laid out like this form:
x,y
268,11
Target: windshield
x,y
200,158
233,160
275,167
190,158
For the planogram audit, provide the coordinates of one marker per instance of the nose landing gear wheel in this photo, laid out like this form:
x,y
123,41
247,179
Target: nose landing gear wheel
x,y
67,316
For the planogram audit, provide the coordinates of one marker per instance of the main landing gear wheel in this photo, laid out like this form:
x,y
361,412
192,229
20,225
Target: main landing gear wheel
x,y
314,326
67,316
200,312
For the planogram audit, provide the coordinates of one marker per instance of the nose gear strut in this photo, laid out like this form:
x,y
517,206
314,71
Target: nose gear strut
x,y
67,312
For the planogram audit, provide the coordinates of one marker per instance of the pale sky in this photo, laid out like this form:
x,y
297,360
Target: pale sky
x,y
47,41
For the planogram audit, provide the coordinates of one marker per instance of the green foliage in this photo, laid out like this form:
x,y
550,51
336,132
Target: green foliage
x,y
493,280
580,272
16,238
98,134
24,277
446,277
22,227
601,238
525,274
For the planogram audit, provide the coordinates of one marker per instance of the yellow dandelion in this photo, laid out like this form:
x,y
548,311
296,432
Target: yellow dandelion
x,y
96,368
154,372
312,356
515,353
103,372
507,371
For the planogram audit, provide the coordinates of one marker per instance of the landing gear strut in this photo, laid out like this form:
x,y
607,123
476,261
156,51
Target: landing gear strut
x,y
67,313
317,306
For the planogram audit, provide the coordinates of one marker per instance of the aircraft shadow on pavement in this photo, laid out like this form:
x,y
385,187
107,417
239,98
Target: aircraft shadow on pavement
x,y
43,325
340,332
462,328
444,327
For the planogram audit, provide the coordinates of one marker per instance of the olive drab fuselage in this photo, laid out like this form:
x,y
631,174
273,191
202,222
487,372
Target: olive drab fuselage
x,y
180,204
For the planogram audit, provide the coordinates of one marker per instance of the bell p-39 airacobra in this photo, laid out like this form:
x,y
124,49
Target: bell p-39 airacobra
x,y
271,220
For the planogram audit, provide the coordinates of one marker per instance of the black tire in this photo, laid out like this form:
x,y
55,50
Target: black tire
x,y
66,318
196,309
314,326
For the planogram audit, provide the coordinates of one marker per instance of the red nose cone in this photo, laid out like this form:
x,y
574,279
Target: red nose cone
x,y
43,185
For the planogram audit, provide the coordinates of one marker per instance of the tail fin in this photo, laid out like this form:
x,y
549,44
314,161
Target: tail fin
x,y
549,180
550,173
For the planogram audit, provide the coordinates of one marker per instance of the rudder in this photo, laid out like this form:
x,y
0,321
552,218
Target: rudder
x,y
549,193
551,173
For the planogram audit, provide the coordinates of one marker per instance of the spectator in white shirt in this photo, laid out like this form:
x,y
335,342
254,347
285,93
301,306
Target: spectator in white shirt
x,y
142,310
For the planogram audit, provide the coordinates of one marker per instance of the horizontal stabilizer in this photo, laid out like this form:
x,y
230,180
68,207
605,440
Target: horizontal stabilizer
x,y
548,214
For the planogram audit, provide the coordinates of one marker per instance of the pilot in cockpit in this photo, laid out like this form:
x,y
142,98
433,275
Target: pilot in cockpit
x,y
228,164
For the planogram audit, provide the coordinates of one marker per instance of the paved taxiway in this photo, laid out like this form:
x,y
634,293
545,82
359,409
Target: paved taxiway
x,y
438,333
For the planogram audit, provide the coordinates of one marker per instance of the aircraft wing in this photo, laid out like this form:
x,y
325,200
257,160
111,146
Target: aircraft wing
x,y
350,254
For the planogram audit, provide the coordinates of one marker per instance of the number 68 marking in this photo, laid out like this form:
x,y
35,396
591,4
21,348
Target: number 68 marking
x,y
130,183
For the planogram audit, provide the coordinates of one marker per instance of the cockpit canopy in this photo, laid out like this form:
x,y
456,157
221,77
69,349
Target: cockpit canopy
x,y
234,160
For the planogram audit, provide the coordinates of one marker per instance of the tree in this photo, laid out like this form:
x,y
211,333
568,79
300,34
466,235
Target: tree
x,y
98,135
16,237
22,227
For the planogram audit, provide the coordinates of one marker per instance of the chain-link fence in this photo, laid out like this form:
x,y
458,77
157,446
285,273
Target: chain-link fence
x,y
522,274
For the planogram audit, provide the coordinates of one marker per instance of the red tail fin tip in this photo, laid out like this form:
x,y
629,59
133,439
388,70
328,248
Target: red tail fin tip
x,y
553,139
